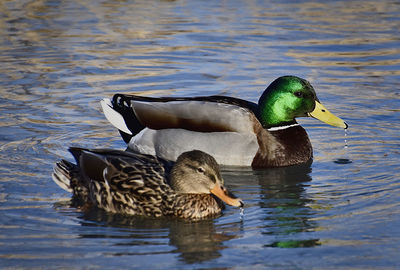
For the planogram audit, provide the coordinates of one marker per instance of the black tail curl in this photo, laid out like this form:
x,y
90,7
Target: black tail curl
x,y
122,104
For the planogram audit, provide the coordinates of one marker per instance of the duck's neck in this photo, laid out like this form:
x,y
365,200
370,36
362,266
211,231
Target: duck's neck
x,y
274,112
282,127
274,118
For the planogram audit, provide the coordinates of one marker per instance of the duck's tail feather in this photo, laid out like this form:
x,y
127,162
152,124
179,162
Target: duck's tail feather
x,y
68,176
121,115
63,174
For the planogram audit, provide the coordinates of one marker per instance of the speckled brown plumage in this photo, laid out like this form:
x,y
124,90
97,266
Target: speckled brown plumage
x,y
136,184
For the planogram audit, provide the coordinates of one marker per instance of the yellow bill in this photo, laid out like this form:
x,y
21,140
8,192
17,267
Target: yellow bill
x,y
321,113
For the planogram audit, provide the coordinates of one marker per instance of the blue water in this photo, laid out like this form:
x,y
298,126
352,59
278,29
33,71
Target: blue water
x,y
59,58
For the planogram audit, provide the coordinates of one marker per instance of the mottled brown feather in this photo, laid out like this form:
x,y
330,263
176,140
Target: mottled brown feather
x,y
130,183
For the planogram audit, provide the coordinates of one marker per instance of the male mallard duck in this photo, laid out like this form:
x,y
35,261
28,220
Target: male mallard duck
x,y
234,131
136,184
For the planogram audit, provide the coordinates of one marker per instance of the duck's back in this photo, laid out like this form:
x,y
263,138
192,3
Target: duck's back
x,y
131,114
166,127
119,181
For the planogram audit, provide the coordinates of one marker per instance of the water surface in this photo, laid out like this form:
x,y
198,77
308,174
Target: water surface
x,y
59,58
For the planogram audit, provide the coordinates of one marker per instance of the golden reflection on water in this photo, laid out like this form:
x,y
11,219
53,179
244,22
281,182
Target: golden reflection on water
x,y
114,23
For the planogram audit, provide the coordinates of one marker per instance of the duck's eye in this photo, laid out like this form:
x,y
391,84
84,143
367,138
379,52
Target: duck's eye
x,y
298,94
201,170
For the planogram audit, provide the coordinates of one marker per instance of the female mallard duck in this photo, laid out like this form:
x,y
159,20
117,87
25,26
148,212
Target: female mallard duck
x,y
136,184
234,131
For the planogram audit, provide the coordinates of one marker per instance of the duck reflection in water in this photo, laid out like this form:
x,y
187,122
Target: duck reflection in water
x,y
285,204
195,242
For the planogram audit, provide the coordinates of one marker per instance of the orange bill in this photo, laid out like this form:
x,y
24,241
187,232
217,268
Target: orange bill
x,y
221,192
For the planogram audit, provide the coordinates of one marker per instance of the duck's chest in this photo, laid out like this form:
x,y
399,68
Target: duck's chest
x,y
197,206
292,146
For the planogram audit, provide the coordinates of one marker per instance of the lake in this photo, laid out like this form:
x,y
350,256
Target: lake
x,y
60,58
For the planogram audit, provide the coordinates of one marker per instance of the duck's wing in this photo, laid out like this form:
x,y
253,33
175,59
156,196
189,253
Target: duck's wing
x,y
123,182
130,114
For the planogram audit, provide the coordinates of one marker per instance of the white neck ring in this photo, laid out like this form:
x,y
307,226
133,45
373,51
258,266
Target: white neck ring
x,y
283,127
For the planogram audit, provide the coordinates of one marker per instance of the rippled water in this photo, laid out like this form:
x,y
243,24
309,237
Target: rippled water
x,y
58,58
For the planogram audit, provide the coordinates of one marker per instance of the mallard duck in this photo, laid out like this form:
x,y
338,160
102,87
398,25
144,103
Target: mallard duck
x,y
234,131
137,184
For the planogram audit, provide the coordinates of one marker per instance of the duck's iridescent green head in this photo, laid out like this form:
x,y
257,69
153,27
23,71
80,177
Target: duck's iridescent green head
x,y
289,97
